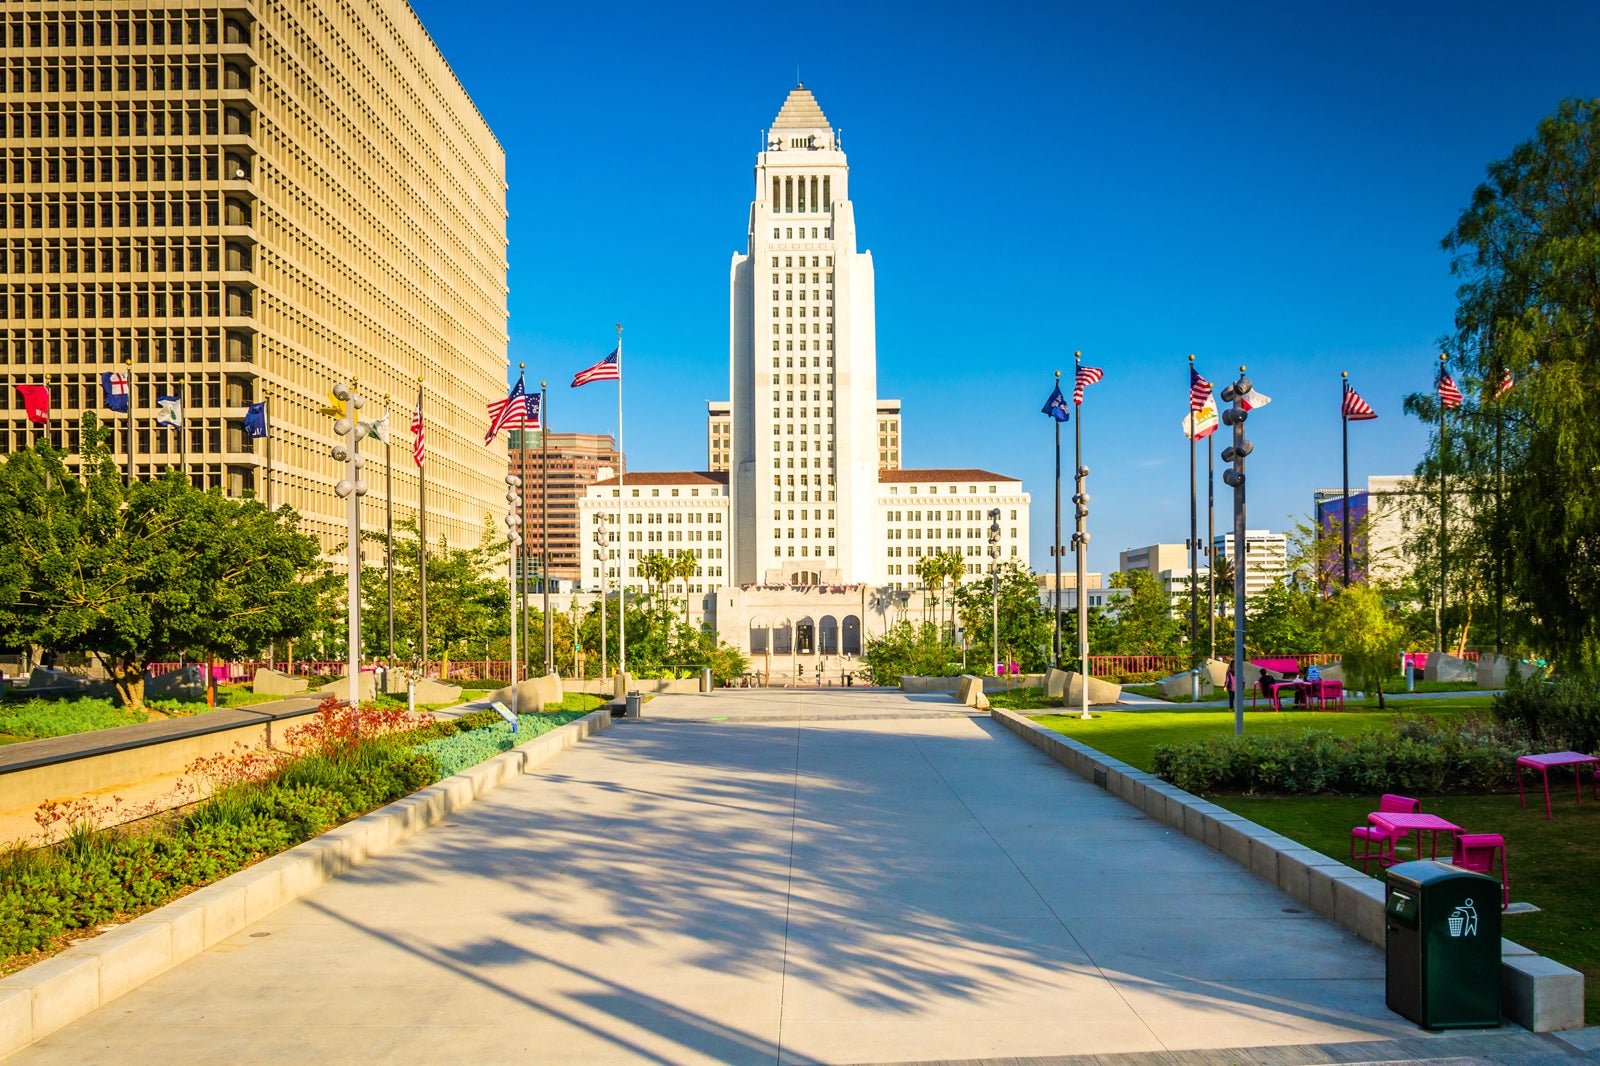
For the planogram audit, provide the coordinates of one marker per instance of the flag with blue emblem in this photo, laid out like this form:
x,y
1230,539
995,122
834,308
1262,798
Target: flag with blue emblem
x,y
1056,406
255,420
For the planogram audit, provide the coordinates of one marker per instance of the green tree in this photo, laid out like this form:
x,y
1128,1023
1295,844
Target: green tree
x,y
1285,619
148,571
915,648
1367,636
1144,623
469,598
1024,622
1527,251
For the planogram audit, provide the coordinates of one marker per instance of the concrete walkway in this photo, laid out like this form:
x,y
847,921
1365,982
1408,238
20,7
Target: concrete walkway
x,y
769,876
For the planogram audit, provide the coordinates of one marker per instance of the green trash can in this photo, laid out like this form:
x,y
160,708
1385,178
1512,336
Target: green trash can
x,y
1442,938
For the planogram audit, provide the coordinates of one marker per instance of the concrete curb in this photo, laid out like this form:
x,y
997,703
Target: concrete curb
x,y
46,996
1537,993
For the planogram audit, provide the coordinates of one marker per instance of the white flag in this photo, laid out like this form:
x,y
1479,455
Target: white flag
x,y
1254,399
1198,425
379,429
169,411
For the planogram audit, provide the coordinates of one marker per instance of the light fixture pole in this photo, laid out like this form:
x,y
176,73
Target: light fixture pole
x,y
994,573
352,487
601,540
514,542
1236,453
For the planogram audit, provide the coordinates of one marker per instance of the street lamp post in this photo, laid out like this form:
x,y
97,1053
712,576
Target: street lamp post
x,y
994,574
514,539
601,541
352,487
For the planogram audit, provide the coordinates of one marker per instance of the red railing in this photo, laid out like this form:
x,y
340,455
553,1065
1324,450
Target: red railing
x,y
469,670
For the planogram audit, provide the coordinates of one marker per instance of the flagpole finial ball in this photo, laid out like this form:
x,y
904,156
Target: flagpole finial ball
x,y
1344,373
1058,373
1077,355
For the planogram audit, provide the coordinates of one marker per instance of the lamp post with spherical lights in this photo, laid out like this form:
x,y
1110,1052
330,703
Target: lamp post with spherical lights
x,y
514,539
352,487
603,553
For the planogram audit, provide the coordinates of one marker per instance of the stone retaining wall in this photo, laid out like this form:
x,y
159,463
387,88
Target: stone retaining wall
x,y
1537,993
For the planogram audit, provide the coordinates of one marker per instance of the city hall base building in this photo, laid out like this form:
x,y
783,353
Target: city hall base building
x,y
805,529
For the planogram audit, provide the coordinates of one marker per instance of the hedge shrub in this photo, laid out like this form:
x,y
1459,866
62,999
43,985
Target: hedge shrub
x,y
1558,715
1416,756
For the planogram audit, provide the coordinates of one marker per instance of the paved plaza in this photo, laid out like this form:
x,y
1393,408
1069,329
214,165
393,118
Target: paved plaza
x,y
763,877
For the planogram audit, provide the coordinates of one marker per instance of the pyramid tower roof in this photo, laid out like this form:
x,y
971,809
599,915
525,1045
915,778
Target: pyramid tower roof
x,y
800,111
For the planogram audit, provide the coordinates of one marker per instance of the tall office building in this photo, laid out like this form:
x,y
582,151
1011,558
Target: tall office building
x,y
803,366
242,201
560,469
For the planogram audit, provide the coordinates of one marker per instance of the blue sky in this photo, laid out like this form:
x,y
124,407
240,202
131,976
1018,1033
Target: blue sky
x,y
1256,183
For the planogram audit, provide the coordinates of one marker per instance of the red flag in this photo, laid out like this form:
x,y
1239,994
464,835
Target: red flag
x,y
1356,409
36,400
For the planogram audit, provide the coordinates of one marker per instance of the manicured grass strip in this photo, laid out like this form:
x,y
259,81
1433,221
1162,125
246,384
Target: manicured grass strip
x,y
33,719
1132,736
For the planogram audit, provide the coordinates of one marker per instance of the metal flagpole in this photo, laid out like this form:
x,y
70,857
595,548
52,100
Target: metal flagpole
x,y
1055,547
524,549
1211,543
544,526
1194,545
1080,541
1344,517
1438,606
132,432
622,495
266,421
388,527
183,428
422,535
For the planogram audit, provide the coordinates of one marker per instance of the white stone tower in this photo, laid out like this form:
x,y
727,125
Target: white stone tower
x,y
803,376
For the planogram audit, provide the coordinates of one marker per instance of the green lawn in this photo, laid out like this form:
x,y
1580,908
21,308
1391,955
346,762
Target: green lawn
x,y
1552,863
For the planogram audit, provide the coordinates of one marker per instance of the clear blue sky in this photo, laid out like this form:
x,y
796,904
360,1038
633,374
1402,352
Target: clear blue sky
x,y
1258,183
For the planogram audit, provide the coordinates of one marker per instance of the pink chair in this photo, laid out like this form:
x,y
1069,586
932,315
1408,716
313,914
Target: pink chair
x,y
1477,852
1383,838
1327,691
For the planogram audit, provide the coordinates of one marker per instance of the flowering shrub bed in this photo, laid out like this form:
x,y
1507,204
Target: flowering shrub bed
x,y
343,764
1418,756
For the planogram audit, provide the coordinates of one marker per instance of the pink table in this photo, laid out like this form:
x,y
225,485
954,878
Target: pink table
x,y
1543,763
1400,824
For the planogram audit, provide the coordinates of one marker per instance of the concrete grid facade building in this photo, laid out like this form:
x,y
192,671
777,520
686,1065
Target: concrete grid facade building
x,y
246,201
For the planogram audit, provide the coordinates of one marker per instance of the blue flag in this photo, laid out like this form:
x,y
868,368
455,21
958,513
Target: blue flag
x,y
115,387
1056,405
255,420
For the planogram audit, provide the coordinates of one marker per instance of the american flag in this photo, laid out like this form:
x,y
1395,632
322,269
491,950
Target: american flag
x,y
607,369
1506,382
518,410
1356,409
1449,394
1087,375
419,450
1199,389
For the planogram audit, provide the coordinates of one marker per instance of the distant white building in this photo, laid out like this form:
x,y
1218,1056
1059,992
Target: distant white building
x,y
1266,558
805,528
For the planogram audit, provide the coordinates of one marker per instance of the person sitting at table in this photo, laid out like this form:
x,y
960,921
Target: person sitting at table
x,y
1268,684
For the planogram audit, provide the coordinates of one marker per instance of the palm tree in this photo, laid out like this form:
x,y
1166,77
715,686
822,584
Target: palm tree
x,y
683,566
931,569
